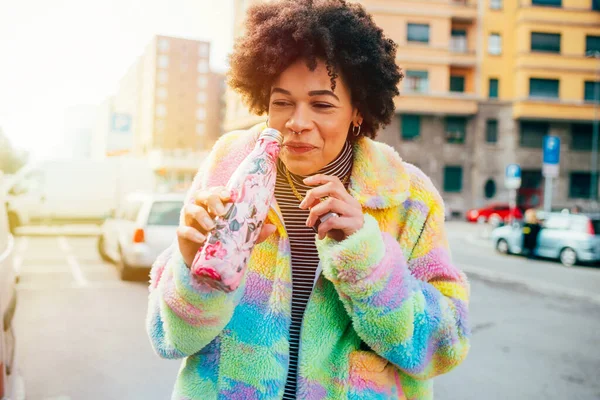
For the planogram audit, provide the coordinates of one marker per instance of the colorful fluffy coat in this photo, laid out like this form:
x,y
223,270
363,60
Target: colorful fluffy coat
x,y
390,285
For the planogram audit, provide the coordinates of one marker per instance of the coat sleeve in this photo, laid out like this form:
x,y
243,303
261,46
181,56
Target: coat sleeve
x,y
183,315
409,308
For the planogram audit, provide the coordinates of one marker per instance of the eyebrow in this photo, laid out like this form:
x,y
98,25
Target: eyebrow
x,y
311,93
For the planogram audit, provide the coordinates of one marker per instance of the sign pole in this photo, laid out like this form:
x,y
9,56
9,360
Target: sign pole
x,y
550,168
548,194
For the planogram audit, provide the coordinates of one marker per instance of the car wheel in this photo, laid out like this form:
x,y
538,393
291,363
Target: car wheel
x,y
568,257
126,273
101,250
502,247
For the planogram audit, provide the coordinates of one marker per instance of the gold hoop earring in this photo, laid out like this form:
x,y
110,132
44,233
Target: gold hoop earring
x,y
356,132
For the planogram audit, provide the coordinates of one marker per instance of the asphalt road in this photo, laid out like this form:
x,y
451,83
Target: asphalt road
x,y
81,333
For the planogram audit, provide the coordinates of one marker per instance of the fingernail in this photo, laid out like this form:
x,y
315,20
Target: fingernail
x,y
301,204
200,237
220,209
208,223
225,193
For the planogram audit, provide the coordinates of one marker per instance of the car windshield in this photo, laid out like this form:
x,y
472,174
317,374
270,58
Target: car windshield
x,y
596,225
165,213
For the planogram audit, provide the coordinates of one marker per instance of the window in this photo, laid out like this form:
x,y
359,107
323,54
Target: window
x,y
489,189
458,41
456,129
496,4
201,114
163,77
161,93
532,134
591,91
592,43
163,61
202,82
203,66
547,88
417,33
495,44
411,127
580,185
582,137
201,97
457,83
165,213
493,90
163,45
548,3
596,5
545,42
200,129
491,131
417,81
531,178
161,110
559,222
203,50
453,177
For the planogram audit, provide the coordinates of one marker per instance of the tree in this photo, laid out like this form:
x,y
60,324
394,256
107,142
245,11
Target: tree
x,y
11,159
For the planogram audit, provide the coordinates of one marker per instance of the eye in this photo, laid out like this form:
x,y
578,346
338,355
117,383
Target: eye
x,y
323,106
280,103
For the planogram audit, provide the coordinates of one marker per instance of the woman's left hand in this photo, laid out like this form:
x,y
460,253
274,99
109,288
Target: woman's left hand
x,y
339,201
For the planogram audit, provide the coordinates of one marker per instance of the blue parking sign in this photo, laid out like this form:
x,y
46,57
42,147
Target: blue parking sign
x,y
551,150
512,177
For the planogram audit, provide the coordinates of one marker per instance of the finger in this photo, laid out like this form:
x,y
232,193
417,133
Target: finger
x,y
201,197
333,188
197,217
333,224
265,232
212,203
330,205
191,234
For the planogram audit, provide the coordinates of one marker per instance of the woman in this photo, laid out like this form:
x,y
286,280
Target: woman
x,y
531,231
369,307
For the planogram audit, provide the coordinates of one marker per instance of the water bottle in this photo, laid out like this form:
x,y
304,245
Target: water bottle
x,y
222,261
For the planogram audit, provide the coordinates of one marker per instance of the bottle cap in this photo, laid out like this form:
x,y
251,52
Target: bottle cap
x,y
272,133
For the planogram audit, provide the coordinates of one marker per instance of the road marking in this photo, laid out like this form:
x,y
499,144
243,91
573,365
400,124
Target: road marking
x,y
76,271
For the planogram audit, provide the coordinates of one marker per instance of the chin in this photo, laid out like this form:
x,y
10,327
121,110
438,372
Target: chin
x,y
300,167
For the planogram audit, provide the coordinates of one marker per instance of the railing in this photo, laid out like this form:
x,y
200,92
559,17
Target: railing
x,y
458,44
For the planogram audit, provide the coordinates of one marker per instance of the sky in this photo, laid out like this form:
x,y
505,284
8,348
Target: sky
x,y
62,53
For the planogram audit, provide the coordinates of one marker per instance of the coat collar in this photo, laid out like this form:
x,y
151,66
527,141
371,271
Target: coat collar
x,y
379,178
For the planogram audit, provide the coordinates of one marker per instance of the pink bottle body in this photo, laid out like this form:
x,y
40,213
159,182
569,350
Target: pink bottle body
x,y
221,262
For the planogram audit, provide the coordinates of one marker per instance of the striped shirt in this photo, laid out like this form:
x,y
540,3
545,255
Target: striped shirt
x,y
305,259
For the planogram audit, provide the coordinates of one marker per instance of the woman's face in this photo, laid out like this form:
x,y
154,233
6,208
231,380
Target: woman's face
x,y
302,101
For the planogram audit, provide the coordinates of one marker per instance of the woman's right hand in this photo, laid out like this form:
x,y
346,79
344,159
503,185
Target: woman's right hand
x,y
199,220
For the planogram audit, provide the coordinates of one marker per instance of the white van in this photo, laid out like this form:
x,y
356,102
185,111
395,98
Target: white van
x,y
74,190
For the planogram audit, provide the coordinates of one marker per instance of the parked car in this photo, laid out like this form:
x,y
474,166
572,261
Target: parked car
x,y
570,238
11,382
139,231
502,210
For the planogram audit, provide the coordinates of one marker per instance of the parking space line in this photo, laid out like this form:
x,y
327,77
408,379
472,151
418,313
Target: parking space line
x,y
76,271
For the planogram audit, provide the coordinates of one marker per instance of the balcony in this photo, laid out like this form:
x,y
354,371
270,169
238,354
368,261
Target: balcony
x,y
577,16
463,10
553,109
556,61
460,54
436,103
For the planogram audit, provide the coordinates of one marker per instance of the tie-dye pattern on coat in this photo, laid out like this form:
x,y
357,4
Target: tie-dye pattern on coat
x,y
391,285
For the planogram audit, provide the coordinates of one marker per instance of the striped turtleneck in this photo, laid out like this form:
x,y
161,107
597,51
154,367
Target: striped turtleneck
x,y
305,259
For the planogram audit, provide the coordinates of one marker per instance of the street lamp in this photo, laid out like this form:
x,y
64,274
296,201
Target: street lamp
x,y
594,183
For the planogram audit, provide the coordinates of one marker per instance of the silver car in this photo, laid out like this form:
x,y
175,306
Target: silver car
x,y
139,231
11,382
570,238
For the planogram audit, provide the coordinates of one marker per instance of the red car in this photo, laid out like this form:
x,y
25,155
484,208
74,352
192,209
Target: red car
x,y
502,210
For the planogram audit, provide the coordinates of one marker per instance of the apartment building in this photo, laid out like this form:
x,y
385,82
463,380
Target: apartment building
x,y
485,81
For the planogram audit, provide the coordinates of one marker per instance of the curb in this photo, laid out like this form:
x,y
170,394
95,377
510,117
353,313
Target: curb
x,y
535,286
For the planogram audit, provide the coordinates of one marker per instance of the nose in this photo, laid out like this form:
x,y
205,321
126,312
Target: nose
x,y
300,120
